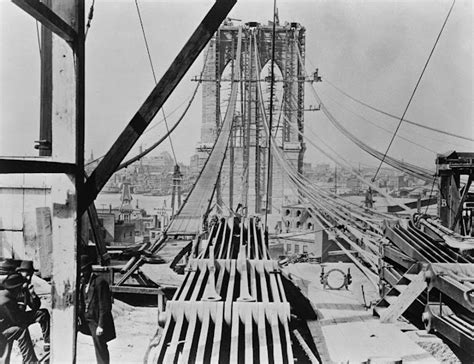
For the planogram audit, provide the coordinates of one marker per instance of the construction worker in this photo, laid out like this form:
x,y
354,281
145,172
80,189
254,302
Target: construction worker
x,y
95,310
29,301
14,321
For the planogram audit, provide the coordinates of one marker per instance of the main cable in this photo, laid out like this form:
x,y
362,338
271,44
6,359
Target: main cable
x,y
154,77
414,91
272,92
394,116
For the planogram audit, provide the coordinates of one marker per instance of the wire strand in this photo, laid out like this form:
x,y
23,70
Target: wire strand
x,y
414,91
89,19
39,40
394,116
154,77
272,92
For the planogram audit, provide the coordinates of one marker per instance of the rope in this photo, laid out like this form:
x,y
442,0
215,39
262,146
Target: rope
x,y
414,91
39,39
395,116
380,127
416,171
431,192
154,76
89,19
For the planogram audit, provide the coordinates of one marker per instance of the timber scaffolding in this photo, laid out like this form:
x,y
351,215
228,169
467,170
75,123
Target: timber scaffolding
x,y
234,304
61,148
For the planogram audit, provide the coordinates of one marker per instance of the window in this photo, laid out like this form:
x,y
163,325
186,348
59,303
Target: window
x,y
305,248
153,234
297,249
288,248
298,213
310,226
298,224
287,212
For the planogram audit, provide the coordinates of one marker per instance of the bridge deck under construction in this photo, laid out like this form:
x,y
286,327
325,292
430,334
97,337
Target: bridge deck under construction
x,y
346,330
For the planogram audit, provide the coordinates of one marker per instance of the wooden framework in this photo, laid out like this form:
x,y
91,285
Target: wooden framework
x,y
62,126
66,55
154,101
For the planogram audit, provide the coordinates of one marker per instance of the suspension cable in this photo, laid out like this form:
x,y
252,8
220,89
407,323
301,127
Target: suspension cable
x,y
414,91
154,77
272,91
394,116
378,126
89,19
39,40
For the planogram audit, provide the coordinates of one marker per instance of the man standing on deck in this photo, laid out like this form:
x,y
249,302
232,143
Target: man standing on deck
x,y
95,310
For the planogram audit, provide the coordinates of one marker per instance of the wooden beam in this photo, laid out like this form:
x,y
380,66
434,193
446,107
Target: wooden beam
x,y
405,299
45,132
48,18
155,101
101,248
136,290
461,203
8,165
67,147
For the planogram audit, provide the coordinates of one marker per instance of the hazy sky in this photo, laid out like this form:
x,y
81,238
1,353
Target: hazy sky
x,y
374,50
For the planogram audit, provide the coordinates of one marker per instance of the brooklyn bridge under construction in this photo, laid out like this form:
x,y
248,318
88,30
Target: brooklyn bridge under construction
x,y
277,242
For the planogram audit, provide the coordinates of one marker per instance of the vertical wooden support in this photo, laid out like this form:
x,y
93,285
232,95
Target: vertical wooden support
x,y
45,132
67,131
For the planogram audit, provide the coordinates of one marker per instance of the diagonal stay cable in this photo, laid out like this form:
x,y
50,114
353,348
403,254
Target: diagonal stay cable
x,y
414,91
154,76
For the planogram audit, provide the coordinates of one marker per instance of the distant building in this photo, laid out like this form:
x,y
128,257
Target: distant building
x,y
297,219
126,225
354,185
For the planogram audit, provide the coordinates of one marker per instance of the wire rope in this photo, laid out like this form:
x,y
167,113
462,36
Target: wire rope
x,y
154,77
414,91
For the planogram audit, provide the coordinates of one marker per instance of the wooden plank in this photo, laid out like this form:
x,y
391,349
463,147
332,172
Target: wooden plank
x,y
231,267
262,333
68,147
104,256
272,316
31,244
246,316
405,299
46,95
192,317
218,314
16,165
178,312
234,334
45,240
155,100
48,18
206,321
63,280
136,290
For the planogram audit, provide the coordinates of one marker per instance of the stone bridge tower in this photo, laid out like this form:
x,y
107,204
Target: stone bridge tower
x,y
243,178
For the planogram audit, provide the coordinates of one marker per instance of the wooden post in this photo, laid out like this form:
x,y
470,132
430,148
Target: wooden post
x,y
68,146
45,132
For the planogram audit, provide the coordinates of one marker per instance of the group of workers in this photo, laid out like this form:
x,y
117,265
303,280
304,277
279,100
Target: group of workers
x,y
20,307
